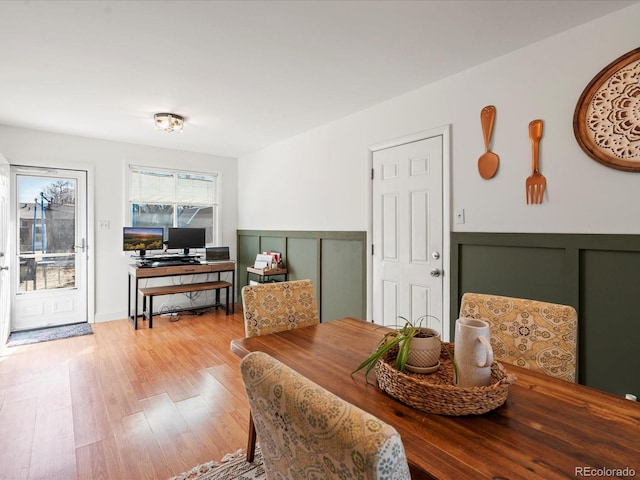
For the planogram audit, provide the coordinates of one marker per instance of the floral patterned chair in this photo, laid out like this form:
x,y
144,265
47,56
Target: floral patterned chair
x,y
274,307
307,432
278,306
531,334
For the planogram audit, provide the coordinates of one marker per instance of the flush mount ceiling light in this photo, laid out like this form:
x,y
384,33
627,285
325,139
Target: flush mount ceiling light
x,y
169,122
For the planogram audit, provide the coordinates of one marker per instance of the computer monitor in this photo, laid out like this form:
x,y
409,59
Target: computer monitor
x,y
142,239
186,238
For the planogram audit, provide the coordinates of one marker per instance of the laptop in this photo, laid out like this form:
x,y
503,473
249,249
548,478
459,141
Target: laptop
x,y
217,254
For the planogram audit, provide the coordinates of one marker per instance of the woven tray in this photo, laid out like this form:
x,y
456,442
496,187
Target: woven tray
x,y
436,393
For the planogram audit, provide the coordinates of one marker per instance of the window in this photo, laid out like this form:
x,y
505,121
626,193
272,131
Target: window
x,y
171,198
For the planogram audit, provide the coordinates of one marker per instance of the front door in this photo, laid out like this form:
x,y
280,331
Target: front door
x,y
49,281
408,233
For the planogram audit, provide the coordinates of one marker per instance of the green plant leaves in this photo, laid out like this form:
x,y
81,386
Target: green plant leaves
x,y
383,347
403,351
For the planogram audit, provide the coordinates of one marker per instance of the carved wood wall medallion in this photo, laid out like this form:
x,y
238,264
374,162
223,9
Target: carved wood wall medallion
x,y
606,121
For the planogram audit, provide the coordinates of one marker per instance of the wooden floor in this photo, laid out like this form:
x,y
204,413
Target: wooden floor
x,y
123,403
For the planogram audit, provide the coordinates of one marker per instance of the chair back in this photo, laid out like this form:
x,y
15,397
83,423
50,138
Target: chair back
x,y
306,431
528,333
277,306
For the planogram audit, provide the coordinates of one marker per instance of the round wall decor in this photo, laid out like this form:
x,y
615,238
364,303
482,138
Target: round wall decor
x,y
606,121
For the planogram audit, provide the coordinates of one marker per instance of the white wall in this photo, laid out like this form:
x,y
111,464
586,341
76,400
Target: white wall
x,y
107,163
320,180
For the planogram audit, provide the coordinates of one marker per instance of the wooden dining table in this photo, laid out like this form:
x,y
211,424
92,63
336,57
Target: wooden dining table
x,y
548,428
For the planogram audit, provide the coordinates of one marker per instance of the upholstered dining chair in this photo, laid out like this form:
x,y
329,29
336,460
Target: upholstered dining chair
x,y
274,307
277,306
528,333
306,431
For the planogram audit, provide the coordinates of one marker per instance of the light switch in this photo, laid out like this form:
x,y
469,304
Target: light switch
x,y
103,225
460,215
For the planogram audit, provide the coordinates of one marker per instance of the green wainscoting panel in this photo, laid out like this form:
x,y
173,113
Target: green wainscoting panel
x,y
276,243
303,258
248,247
334,261
343,279
609,326
599,275
513,271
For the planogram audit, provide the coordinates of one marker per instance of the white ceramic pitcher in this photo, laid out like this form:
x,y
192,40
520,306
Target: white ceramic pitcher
x,y
473,353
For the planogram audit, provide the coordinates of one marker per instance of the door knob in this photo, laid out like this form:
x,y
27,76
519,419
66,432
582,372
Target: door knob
x,y
435,272
6,267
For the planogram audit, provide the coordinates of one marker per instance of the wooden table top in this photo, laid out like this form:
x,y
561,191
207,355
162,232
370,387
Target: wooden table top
x,y
175,270
548,428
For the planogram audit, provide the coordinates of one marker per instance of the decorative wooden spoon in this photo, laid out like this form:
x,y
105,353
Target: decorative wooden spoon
x,y
488,161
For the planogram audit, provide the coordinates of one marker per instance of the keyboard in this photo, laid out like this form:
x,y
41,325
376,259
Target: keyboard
x,y
172,263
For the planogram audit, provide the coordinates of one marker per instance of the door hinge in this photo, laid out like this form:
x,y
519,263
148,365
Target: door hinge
x,y
372,249
372,174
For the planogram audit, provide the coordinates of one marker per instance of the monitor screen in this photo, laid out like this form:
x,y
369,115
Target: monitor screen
x,y
142,238
186,238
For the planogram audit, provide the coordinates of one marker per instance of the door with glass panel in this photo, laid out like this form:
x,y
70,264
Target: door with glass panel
x,y
49,281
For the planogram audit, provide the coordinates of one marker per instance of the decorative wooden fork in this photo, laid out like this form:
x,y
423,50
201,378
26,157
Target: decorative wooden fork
x,y
536,183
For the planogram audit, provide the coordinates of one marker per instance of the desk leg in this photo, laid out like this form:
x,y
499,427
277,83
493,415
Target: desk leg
x,y
132,317
135,311
129,297
233,290
226,307
218,293
150,311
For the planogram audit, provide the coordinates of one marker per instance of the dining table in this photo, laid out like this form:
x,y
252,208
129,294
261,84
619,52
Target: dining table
x,y
547,428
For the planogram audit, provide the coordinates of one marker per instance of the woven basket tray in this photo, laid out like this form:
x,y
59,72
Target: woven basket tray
x,y
436,393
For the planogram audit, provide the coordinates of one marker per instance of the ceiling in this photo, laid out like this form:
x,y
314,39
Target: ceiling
x,y
245,74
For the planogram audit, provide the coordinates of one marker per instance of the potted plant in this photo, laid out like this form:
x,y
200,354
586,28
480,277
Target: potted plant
x,y
410,338
423,354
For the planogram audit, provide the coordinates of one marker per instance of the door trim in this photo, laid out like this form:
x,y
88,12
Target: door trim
x,y
5,252
90,214
445,132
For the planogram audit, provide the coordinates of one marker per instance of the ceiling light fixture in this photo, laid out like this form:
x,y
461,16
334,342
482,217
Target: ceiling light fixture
x,y
169,122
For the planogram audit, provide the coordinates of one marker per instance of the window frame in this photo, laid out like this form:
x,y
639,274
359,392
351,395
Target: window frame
x,y
215,206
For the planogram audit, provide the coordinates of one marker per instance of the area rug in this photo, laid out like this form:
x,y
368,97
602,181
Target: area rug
x,y
233,466
47,334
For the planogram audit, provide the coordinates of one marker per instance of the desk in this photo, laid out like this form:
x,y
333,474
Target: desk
x,y
547,429
136,273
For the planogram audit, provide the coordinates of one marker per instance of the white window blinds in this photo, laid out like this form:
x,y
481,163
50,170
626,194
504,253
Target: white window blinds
x,y
165,187
151,187
195,190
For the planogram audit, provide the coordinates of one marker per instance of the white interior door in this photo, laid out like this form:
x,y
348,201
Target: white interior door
x,y
408,233
4,252
49,252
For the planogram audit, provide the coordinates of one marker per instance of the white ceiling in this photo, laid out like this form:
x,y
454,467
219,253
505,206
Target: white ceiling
x,y
246,74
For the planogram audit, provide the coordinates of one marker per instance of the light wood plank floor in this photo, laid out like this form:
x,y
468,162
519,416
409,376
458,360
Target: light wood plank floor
x,y
123,403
